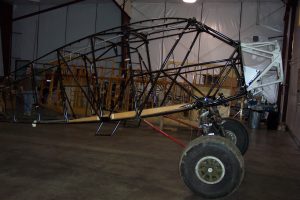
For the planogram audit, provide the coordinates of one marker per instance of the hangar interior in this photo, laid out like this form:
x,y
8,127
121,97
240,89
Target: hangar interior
x,y
218,78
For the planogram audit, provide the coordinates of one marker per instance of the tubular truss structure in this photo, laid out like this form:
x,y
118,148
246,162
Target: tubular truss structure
x,y
132,48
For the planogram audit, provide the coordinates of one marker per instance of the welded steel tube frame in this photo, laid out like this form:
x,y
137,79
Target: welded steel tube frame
x,y
140,34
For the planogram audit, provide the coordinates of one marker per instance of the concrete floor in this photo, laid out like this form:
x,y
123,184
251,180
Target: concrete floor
x,y
69,162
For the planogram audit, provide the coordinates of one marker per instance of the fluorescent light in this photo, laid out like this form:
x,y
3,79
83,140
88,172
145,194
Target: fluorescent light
x,y
189,1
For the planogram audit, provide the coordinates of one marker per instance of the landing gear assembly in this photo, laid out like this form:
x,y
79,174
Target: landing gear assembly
x,y
213,124
212,166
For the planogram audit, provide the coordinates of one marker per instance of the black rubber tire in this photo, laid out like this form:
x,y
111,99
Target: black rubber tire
x,y
212,147
240,132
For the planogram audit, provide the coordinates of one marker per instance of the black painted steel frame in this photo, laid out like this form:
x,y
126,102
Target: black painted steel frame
x,y
131,39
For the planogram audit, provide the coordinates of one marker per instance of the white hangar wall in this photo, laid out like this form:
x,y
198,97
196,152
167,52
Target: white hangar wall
x,y
37,35
239,20
232,18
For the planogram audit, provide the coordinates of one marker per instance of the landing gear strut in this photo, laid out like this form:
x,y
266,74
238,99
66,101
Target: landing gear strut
x,y
212,124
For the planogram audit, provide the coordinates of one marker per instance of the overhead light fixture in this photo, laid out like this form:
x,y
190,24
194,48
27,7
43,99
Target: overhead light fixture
x,y
189,1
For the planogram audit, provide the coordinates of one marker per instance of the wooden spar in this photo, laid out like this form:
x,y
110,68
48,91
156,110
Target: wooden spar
x,y
132,114
85,119
151,112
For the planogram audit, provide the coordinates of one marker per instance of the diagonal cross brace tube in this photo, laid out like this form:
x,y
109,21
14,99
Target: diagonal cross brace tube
x,y
162,68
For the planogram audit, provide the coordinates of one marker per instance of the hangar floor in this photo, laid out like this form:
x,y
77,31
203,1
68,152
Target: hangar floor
x,y
69,162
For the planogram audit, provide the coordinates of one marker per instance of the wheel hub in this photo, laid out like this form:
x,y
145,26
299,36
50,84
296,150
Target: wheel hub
x,y
210,170
230,135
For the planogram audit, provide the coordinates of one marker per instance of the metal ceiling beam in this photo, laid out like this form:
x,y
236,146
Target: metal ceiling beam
x,y
47,10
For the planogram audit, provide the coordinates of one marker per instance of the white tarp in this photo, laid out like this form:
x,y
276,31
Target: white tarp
x,y
37,35
235,19
264,19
